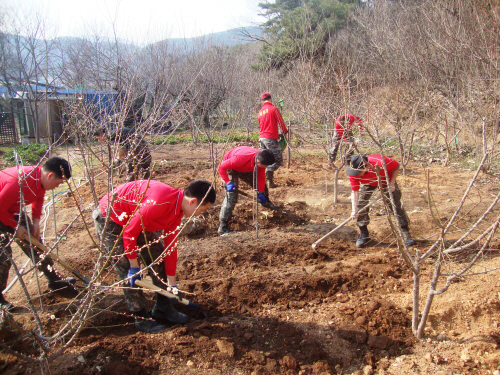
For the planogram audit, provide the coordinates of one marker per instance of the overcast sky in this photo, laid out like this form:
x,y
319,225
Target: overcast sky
x,y
136,20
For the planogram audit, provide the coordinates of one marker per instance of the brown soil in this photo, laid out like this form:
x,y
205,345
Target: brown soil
x,y
273,304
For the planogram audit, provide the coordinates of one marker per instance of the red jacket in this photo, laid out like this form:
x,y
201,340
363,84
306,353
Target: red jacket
x,y
242,159
339,127
370,177
160,209
269,118
10,193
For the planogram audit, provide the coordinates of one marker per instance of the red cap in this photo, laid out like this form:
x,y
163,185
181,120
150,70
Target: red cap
x,y
265,95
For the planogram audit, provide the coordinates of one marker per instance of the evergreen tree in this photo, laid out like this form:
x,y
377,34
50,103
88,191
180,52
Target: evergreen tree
x,y
301,27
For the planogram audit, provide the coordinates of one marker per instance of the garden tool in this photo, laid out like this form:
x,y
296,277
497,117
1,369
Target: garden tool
x,y
42,249
151,286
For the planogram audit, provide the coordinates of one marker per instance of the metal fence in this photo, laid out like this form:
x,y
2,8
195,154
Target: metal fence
x,y
7,128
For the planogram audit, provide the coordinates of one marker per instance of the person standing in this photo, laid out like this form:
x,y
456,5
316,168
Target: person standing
x,y
15,223
343,133
269,117
362,171
144,221
132,148
249,165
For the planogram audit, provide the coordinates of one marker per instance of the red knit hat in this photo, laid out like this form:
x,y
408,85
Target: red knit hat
x,y
265,95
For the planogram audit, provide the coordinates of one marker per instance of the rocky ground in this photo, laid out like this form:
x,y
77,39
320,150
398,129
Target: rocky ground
x,y
274,305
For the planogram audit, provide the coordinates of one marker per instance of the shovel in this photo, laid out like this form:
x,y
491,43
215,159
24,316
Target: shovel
x,y
342,224
244,194
41,248
154,288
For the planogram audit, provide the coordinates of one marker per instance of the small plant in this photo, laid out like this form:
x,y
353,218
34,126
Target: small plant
x,y
29,154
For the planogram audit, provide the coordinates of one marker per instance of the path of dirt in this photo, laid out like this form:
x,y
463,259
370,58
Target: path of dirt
x,y
275,306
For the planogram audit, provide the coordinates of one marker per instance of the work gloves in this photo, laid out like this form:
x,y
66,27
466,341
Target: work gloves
x,y
230,187
261,198
134,272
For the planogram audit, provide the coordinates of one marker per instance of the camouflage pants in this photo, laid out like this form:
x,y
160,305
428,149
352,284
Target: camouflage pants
x,y
337,142
365,194
273,146
6,251
134,298
231,199
138,165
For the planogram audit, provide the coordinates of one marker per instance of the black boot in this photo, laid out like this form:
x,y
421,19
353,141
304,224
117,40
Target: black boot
x,y
145,323
164,310
364,237
4,304
270,179
407,236
55,282
224,229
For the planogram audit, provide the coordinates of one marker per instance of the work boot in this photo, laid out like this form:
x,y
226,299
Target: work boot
x,y
224,229
145,323
4,304
407,236
364,237
164,310
270,179
56,282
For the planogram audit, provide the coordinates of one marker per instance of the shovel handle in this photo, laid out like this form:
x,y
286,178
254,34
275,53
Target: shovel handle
x,y
154,288
63,263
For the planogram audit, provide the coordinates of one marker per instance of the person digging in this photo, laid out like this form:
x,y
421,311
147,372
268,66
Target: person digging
x,y
362,171
143,212
269,117
35,182
243,163
132,149
343,134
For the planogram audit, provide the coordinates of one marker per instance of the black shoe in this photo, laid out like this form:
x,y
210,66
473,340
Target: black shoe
x,y
224,229
407,238
164,310
62,286
270,206
145,323
4,304
364,237
60,283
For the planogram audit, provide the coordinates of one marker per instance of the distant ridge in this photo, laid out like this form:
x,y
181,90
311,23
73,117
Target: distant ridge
x,y
228,38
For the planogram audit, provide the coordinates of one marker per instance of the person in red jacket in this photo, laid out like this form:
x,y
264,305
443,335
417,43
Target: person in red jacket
x,y
362,171
144,220
269,118
343,133
15,223
249,165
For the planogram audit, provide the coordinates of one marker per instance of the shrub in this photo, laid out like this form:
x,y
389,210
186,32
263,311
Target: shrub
x,y
29,154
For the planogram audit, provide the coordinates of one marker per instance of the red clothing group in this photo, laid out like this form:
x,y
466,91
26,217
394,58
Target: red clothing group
x,y
10,193
242,159
269,118
370,177
150,206
340,128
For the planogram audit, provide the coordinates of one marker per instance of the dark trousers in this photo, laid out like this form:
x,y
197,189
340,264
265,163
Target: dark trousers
x,y
231,199
365,194
138,164
134,297
6,250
